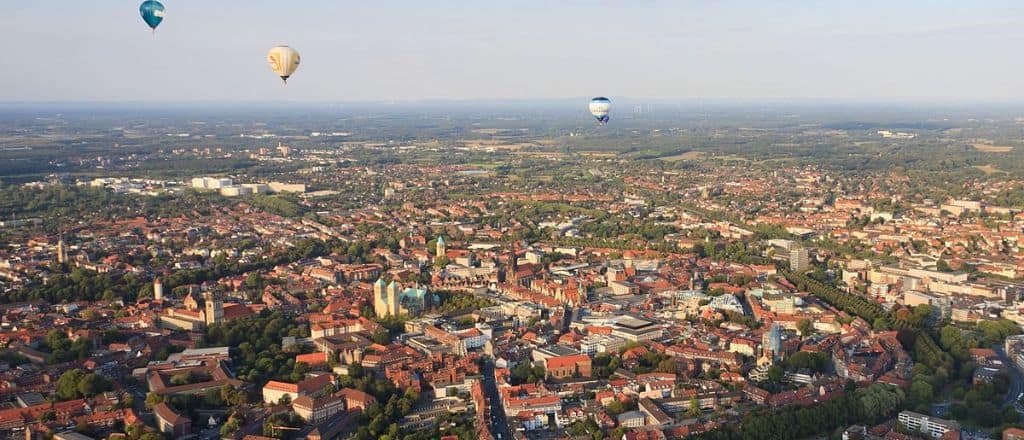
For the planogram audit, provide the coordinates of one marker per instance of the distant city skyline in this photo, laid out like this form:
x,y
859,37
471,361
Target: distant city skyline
x,y
915,50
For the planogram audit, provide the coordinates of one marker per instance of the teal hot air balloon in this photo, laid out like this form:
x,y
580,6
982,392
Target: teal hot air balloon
x,y
152,13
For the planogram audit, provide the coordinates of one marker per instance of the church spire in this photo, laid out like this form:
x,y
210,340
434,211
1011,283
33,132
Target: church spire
x,y
441,249
62,250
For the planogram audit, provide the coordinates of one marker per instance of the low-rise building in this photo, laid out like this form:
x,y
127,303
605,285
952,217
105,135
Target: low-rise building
x,y
170,422
568,366
273,391
931,426
317,409
632,419
356,400
1013,434
655,415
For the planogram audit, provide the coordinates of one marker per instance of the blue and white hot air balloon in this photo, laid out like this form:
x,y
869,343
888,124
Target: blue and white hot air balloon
x,y
152,13
599,108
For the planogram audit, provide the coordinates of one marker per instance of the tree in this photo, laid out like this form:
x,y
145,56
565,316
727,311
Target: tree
x,y
89,314
67,384
615,408
667,366
619,432
1010,415
229,427
958,411
878,401
694,410
525,372
253,281
921,393
232,396
212,398
152,399
816,361
81,348
797,421
13,358
576,429
258,356
920,314
985,413
290,419
57,340
128,401
181,379
381,336
92,384
805,327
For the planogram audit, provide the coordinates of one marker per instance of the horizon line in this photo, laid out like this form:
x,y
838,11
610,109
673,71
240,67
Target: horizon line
x,y
527,101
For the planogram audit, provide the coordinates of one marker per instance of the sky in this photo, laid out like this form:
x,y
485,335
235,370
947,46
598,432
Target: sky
x,y
406,51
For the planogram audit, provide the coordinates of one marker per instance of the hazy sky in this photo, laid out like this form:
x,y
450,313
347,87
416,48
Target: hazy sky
x,y
357,50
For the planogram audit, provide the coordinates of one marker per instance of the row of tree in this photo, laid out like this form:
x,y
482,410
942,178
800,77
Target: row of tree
x,y
76,383
866,406
380,421
853,304
938,365
257,354
61,349
80,285
307,248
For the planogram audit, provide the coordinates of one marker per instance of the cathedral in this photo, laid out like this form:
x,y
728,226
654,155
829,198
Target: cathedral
x,y
393,300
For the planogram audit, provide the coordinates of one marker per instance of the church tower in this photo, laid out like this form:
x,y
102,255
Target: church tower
x,y
394,308
513,267
158,289
380,305
62,250
441,249
214,308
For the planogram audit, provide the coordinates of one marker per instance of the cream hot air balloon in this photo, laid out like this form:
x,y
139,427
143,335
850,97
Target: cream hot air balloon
x,y
283,61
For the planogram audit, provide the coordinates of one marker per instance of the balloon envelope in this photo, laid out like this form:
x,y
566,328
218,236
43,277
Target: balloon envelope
x,y
283,61
599,107
152,13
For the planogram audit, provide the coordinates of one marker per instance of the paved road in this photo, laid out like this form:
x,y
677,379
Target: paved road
x,y
499,424
209,434
1016,377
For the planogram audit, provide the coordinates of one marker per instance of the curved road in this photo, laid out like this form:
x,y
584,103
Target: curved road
x,y
1016,377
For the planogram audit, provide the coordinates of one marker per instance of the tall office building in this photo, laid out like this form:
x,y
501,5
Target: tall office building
x,y
798,259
